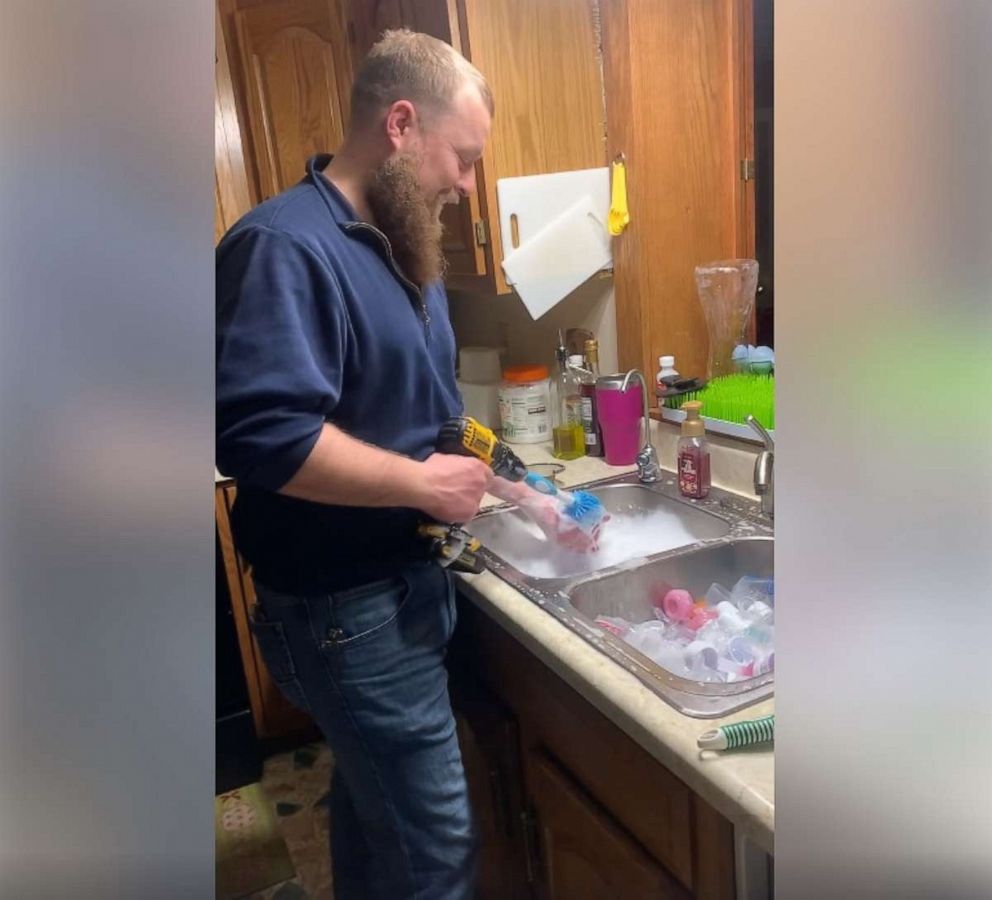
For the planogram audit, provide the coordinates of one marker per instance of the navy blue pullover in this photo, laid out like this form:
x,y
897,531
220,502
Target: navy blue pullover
x,y
316,323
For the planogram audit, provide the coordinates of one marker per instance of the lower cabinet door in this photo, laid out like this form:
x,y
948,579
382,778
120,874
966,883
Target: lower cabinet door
x,y
489,741
584,854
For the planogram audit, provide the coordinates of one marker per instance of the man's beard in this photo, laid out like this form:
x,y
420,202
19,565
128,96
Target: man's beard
x,y
403,214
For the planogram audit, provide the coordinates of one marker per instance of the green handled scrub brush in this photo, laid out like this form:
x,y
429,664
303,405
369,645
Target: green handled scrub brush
x,y
739,734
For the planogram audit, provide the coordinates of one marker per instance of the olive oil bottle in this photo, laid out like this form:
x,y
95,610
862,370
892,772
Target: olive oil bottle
x,y
567,431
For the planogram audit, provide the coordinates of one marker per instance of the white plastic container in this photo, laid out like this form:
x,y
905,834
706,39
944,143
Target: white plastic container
x,y
666,373
481,402
479,365
525,405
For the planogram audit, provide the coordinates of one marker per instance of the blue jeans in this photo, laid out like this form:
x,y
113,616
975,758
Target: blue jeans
x,y
368,664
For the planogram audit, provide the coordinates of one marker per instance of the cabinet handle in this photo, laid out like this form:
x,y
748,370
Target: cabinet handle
x,y
529,823
500,802
481,233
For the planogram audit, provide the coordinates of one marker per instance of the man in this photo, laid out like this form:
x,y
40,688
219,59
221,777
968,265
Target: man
x,y
335,370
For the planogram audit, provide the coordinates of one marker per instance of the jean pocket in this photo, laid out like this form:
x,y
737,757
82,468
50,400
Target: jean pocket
x,y
363,612
272,644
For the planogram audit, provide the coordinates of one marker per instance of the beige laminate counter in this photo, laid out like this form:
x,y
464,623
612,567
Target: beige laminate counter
x,y
740,784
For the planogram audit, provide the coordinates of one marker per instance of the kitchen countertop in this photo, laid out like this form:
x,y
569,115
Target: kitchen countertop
x,y
740,784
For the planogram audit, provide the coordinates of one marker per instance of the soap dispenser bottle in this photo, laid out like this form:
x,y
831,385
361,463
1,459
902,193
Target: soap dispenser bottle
x,y
693,454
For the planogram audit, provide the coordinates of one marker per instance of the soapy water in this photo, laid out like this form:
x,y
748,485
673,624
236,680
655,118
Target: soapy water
x,y
625,536
725,636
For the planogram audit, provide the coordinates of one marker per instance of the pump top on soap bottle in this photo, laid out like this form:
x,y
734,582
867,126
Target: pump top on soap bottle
x,y
693,454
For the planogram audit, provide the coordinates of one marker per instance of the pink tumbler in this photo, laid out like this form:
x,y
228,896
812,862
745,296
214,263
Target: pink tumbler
x,y
620,418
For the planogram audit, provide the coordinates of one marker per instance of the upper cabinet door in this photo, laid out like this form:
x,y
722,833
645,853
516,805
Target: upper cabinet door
x,y
541,60
543,63
296,68
677,107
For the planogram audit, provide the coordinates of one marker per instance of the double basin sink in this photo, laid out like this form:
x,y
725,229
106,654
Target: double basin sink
x,y
656,539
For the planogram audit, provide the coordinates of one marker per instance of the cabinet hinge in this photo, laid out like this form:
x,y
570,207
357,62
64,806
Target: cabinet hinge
x,y
747,170
481,233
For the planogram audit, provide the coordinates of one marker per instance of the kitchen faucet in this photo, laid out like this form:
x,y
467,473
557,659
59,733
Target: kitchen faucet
x,y
764,472
648,470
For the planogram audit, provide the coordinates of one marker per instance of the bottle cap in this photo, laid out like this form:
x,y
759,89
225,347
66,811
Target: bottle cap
x,y
667,362
692,426
523,374
592,354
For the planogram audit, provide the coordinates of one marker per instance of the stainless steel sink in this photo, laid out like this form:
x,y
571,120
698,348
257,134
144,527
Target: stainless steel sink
x,y
688,544
627,593
674,522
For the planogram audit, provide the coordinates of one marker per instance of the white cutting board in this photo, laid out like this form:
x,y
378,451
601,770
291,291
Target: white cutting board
x,y
537,200
555,261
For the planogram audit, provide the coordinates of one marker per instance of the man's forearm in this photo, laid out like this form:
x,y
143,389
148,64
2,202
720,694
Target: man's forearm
x,y
343,471
346,471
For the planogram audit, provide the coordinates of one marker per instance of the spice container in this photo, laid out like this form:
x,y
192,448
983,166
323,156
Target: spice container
x,y
525,404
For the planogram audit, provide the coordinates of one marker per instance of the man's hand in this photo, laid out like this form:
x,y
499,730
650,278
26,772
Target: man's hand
x,y
453,486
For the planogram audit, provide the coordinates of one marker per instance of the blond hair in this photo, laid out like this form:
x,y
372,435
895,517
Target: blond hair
x,y
406,65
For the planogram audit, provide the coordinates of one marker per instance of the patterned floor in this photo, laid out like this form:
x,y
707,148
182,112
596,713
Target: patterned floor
x,y
297,784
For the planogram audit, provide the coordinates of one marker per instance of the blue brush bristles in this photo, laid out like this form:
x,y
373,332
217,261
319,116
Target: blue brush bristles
x,y
581,506
586,509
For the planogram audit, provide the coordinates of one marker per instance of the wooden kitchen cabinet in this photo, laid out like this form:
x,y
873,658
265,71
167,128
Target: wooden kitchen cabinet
x,y
295,69
576,82
604,818
543,64
679,106
292,64
585,855
490,747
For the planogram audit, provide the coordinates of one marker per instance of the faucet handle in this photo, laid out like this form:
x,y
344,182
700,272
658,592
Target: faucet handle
x,y
648,470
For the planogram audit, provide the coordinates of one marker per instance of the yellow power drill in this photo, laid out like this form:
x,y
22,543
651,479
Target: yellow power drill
x,y
466,436
452,545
